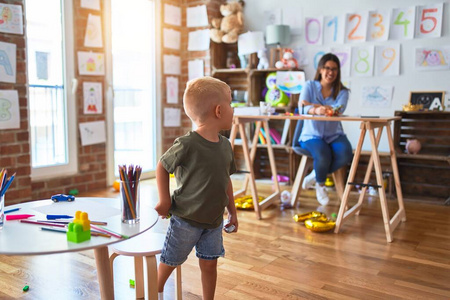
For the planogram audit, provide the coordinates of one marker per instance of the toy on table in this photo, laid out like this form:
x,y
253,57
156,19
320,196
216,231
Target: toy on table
x,y
62,197
274,95
288,61
80,229
228,28
335,111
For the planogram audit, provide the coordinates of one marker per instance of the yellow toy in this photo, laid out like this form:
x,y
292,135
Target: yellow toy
x,y
80,229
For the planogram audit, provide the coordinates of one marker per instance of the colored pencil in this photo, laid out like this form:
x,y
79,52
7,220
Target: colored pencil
x,y
108,231
65,231
42,223
11,210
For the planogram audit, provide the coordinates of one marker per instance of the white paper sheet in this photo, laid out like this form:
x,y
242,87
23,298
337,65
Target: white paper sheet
x,y
11,21
197,16
91,4
356,27
93,36
313,30
172,117
92,93
7,62
171,38
196,69
9,109
344,54
432,58
377,96
172,90
362,61
387,60
91,63
402,23
429,20
199,40
333,29
251,42
92,133
379,23
172,15
172,64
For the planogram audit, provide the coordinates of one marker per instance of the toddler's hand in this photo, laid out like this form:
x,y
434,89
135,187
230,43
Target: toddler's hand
x,y
162,210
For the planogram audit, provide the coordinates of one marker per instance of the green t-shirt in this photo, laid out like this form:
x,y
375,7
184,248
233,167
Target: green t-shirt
x,y
202,170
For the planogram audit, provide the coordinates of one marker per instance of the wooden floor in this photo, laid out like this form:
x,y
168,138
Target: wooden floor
x,y
275,258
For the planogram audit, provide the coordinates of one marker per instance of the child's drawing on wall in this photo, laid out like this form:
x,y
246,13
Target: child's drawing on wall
x,y
92,93
432,58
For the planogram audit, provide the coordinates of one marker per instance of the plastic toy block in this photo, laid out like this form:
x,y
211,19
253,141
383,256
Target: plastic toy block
x,y
132,283
82,219
26,288
76,234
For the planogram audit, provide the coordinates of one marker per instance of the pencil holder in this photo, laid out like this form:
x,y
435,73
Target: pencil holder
x,y
130,201
2,211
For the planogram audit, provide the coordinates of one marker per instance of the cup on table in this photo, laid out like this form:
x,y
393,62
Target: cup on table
x,y
2,211
130,201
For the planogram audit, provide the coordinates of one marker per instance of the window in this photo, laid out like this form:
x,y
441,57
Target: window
x,y
50,70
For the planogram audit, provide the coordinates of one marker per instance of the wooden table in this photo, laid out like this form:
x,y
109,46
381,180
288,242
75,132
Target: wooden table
x,y
18,238
367,124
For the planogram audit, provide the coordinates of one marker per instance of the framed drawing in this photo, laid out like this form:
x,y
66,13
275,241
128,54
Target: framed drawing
x,y
429,100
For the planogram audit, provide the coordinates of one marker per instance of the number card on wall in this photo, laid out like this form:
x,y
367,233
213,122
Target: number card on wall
x,y
356,27
429,20
362,61
378,28
344,54
387,60
313,30
402,23
334,29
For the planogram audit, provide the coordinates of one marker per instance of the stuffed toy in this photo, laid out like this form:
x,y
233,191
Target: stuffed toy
x,y
263,61
228,28
288,60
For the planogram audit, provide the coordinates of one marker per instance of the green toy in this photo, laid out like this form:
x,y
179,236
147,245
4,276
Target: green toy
x,y
274,95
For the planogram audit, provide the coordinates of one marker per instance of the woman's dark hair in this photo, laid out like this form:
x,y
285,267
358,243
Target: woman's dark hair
x,y
337,84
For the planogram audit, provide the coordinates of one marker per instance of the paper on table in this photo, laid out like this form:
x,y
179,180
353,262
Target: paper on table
x,y
96,211
197,16
198,40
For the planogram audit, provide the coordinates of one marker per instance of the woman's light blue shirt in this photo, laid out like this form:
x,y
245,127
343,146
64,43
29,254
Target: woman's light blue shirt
x,y
326,130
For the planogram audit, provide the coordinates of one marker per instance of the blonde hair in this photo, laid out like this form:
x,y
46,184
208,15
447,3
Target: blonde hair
x,y
202,95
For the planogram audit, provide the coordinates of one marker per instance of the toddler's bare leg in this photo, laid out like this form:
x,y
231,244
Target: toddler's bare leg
x,y
164,272
209,277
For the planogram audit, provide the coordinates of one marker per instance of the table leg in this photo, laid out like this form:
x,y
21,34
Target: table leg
x,y
104,273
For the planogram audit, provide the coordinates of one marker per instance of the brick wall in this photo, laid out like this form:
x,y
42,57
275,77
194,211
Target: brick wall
x,y
14,143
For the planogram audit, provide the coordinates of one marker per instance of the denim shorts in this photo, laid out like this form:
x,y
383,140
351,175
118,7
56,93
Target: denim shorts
x,y
181,238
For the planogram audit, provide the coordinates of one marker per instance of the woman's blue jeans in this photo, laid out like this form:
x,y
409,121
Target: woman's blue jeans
x,y
328,157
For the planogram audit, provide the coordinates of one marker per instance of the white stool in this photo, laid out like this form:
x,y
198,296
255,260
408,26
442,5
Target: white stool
x,y
148,245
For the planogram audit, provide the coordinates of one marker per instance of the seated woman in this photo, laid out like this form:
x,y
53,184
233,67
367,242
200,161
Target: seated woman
x,y
325,140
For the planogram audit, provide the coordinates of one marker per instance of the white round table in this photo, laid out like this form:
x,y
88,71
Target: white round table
x,y
18,238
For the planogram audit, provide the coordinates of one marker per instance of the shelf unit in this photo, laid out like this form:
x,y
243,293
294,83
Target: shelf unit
x,y
253,81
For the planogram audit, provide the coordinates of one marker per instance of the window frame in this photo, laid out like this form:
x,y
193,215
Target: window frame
x,y
70,87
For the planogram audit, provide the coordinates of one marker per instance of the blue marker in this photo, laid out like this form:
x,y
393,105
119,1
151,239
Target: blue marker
x,y
11,210
54,217
5,188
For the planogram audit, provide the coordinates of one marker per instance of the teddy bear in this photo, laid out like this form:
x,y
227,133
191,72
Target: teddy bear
x,y
263,61
288,60
227,28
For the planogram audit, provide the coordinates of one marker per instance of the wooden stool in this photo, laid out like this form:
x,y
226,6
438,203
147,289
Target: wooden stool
x,y
148,245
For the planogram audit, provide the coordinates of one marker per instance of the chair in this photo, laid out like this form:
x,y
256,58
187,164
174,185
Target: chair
x,y
338,175
148,245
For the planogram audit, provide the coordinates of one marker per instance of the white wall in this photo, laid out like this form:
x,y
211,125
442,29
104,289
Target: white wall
x,y
409,79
